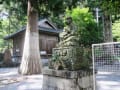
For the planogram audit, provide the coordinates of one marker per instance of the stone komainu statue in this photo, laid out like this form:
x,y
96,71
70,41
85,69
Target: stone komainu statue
x,y
68,54
69,35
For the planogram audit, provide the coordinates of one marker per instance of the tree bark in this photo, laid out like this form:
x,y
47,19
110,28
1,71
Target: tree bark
x,y
31,57
107,27
107,34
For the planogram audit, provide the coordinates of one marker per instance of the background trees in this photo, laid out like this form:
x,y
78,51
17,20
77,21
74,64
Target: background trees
x,y
88,30
116,30
12,19
110,10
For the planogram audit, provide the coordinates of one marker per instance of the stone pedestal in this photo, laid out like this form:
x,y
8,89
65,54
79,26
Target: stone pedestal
x,y
67,80
69,58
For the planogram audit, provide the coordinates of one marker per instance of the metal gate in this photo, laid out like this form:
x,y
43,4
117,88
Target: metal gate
x,y
106,61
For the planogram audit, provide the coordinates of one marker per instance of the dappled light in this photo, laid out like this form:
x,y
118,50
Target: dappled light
x,y
59,44
11,80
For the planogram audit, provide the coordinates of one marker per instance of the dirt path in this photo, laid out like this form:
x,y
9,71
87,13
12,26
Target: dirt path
x,y
108,81
11,80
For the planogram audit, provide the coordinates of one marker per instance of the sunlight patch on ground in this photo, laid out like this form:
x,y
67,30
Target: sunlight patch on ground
x,y
108,81
11,80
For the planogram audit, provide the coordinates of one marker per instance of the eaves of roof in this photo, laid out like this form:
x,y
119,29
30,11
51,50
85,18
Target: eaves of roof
x,y
41,29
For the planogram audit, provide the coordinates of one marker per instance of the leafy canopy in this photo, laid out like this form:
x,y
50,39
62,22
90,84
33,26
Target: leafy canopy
x,y
116,30
88,30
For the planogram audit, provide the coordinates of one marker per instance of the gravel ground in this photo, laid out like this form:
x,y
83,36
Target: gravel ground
x,y
11,80
108,81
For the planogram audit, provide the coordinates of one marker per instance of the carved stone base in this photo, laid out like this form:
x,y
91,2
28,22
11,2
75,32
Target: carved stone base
x,y
67,80
70,58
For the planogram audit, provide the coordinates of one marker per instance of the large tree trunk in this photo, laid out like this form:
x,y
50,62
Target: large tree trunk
x,y
107,27
31,57
107,34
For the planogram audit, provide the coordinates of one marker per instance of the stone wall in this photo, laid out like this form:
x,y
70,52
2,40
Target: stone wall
x,y
67,80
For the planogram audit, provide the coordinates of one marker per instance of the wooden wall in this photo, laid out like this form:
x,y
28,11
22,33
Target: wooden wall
x,y
46,43
18,42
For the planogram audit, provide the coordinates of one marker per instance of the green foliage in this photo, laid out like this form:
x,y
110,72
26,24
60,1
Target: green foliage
x,y
116,30
107,7
88,30
57,21
56,62
111,6
55,57
83,56
15,18
9,25
45,8
3,33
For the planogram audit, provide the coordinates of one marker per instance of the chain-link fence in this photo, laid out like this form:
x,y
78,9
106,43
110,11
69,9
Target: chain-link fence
x,y
106,61
106,57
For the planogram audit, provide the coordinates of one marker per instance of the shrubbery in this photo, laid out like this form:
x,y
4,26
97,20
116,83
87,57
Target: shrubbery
x,y
88,30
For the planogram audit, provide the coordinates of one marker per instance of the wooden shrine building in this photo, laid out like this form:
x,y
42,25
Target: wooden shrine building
x,y
48,38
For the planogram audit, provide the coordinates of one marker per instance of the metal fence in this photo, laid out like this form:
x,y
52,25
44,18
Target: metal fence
x,y
106,56
106,61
